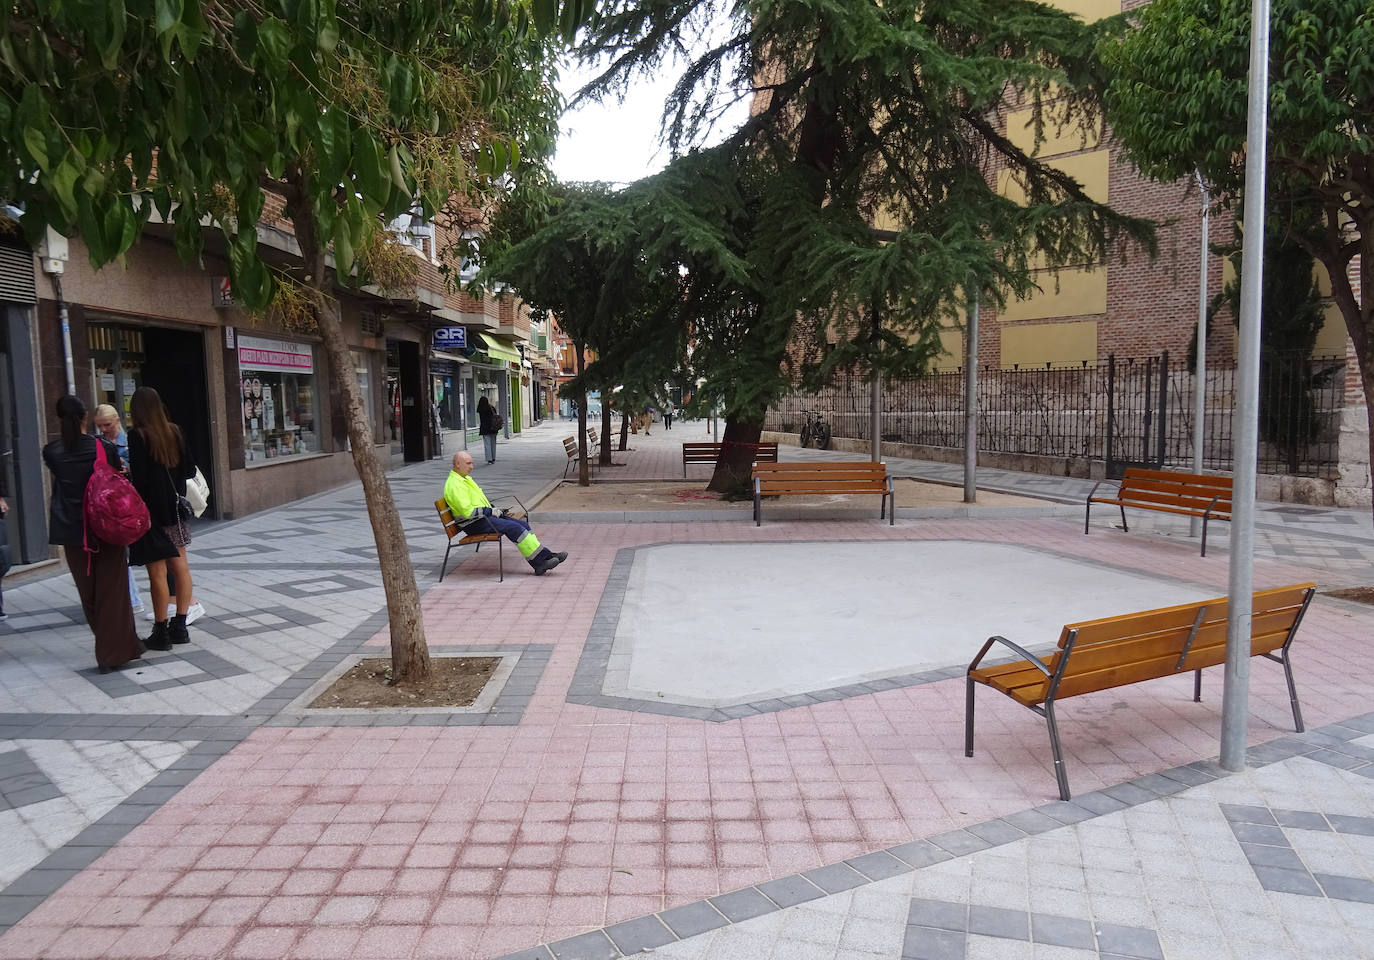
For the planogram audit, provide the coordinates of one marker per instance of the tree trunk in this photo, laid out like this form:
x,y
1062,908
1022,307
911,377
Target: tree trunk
x,y
584,471
409,651
605,432
624,433
735,467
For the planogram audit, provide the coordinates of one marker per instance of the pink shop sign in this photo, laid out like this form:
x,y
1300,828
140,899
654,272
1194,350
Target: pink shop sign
x,y
257,353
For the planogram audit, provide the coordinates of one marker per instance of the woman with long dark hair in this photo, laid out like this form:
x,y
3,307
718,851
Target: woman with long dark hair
x,y
159,465
102,575
486,426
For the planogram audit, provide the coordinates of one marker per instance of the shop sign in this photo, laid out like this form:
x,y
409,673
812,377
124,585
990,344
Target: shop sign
x,y
451,338
220,293
258,353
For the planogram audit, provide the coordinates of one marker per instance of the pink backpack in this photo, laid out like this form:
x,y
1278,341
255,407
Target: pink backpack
x,y
115,513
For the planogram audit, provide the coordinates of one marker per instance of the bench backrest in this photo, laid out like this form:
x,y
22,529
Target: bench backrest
x,y
794,476
446,517
1169,488
1126,649
570,446
709,451
591,436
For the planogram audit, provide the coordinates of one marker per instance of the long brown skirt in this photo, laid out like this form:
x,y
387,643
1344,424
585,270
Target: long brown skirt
x,y
105,599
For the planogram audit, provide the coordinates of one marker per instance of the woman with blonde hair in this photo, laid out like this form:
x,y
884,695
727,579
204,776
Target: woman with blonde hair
x,y
159,465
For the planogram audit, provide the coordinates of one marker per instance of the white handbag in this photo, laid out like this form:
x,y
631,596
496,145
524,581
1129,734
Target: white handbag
x,y
198,493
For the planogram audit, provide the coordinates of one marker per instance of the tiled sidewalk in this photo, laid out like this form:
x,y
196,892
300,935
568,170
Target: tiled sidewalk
x,y
847,827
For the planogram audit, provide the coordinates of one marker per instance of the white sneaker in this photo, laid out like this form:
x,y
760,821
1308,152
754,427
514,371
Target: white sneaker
x,y
194,612
152,614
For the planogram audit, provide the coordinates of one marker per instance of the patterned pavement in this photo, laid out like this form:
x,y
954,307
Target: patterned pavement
x,y
190,807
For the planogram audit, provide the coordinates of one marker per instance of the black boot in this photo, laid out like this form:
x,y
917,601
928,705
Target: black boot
x,y
158,639
176,631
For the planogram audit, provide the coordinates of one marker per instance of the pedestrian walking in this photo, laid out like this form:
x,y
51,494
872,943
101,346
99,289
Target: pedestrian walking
x,y
100,570
487,427
475,514
668,415
159,465
111,429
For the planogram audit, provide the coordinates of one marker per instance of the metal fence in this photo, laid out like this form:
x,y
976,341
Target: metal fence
x,y
1125,411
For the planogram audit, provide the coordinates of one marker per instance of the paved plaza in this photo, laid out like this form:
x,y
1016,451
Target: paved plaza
x,y
705,739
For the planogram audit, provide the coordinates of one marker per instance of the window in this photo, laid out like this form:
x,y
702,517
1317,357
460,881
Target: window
x,y
278,392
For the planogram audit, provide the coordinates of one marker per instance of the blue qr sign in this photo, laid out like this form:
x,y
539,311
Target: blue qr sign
x,y
448,338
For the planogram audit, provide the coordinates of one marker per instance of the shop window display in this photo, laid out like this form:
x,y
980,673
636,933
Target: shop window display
x,y
279,406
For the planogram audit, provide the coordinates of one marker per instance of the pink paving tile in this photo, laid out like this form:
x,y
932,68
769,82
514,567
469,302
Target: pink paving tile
x,y
450,941
256,882
365,881
499,940
326,943
404,910
78,943
116,911
474,880
146,942
387,943
310,882
381,855
346,910
290,910
265,943
421,880
29,942
462,910
232,911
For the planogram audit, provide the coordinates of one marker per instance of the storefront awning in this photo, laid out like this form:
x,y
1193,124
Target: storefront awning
x,y
498,350
444,355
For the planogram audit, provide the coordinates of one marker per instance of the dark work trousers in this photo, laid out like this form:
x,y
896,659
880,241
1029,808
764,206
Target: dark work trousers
x,y
105,600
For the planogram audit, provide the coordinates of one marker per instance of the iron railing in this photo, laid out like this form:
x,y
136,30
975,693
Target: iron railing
x,y
1126,410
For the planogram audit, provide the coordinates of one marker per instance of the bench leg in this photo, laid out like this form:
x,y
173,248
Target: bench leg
x,y
1197,686
968,719
758,511
1059,772
500,560
1204,536
1124,528
1292,692
444,566
1087,517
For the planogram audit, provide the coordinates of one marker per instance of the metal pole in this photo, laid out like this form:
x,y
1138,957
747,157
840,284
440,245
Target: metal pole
x,y
875,398
971,401
1236,693
1200,367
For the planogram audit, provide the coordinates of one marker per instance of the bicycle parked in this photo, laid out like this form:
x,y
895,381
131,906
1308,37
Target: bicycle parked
x,y
815,428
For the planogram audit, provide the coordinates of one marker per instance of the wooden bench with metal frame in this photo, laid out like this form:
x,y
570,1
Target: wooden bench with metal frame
x,y
1168,491
1111,652
709,452
575,455
457,538
806,478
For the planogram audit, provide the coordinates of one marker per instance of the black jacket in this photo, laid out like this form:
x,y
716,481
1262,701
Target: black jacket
x,y
486,419
71,471
159,486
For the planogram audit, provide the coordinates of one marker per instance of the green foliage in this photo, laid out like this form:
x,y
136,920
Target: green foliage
x,y
866,113
116,112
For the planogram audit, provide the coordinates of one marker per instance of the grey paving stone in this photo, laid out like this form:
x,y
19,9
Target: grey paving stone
x,y
940,914
691,919
1066,812
537,953
1062,931
1245,813
836,877
1336,759
14,908
1353,889
1129,793
789,891
1128,941
878,866
959,842
1278,880
919,853
998,922
40,881
996,832
743,904
1358,826
1032,821
1099,803
1158,785
1259,833
642,933
1192,776
924,943
1266,856
588,946
1302,820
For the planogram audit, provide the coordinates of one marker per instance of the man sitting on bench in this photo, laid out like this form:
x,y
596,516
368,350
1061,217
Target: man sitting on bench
x,y
475,514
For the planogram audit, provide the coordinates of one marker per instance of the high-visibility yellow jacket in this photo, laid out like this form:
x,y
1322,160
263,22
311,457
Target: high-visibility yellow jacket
x,y
465,498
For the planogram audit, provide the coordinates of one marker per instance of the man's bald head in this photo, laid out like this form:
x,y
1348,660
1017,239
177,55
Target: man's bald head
x,y
462,463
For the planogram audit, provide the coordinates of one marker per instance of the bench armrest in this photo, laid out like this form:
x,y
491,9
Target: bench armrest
x,y
1092,493
1029,657
511,496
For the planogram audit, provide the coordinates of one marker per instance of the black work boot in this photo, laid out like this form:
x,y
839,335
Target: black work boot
x,y
176,631
158,639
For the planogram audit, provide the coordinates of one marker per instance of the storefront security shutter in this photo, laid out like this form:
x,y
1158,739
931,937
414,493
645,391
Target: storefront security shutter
x,y
16,274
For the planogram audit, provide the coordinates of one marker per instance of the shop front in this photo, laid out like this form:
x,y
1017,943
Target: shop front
x,y
279,393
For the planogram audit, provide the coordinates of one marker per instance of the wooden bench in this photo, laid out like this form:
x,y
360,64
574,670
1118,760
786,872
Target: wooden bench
x,y
1112,652
574,455
802,478
709,452
1191,494
457,538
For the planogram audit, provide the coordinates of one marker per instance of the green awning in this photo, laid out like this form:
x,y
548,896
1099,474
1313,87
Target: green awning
x,y
498,350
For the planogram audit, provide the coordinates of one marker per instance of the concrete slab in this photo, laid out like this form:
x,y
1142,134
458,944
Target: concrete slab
x,y
688,633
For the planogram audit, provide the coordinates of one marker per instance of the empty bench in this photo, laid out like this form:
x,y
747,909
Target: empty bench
x,y
1167,491
1100,654
574,454
801,478
709,452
